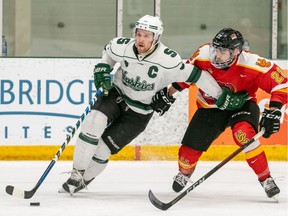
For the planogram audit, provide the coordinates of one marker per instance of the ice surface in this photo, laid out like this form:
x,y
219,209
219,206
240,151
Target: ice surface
x,y
122,189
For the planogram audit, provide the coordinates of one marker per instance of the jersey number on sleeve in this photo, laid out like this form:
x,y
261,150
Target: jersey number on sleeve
x,y
123,40
170,52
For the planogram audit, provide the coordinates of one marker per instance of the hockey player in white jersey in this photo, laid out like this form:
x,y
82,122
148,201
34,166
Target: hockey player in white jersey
x,y
123,111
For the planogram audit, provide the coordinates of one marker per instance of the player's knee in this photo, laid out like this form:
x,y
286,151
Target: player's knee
x,y
94,125
187,159
102,153
242,132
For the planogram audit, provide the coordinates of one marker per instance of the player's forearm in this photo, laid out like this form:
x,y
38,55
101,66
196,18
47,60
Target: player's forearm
x,y
209,85
205,82
172,90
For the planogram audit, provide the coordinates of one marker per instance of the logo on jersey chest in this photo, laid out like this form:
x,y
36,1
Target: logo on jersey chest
x,y
136,83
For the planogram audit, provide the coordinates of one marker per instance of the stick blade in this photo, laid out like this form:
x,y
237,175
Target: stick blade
x,y
11,190
17,192
157,203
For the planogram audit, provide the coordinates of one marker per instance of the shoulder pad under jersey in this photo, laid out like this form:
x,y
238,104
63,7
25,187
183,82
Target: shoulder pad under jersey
x,y
202,54
254,61
117,46
166,57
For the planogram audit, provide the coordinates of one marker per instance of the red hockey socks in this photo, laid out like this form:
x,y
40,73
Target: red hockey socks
x,y
259,165
255,155
187,159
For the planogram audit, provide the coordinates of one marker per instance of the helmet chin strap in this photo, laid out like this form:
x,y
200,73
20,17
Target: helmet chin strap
x,y
232,60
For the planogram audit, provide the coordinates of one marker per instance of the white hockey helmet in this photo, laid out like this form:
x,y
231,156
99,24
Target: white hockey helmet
x,y
152,24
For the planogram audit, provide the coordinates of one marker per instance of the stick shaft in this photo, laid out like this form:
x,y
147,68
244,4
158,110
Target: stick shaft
x,y
28,194
164,206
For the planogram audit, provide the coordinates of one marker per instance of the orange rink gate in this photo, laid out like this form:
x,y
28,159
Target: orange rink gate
x,y
226,138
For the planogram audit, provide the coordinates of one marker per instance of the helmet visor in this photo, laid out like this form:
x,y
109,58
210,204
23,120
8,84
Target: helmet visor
x,y
221,57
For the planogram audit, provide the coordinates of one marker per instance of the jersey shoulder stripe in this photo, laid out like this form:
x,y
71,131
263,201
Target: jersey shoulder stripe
x,y
201,54
254,62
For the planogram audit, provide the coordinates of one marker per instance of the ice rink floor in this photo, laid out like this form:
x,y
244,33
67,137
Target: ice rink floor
x,y
122,189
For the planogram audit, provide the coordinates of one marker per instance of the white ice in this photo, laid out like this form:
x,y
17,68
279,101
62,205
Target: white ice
x,y
122,190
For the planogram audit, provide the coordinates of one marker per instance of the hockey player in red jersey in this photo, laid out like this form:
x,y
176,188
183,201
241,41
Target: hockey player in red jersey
x,y
238,70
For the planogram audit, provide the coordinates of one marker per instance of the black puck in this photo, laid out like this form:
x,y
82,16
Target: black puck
x,y
34,203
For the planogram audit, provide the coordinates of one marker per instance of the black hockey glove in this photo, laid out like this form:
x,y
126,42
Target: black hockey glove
x,y
231,101
270,121
102,77
162,101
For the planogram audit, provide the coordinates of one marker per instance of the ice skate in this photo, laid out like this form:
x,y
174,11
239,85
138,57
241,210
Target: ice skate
x,y
180,181
76,182
65,187
270,187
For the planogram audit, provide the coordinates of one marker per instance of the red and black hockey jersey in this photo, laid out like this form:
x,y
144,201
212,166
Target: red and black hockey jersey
x,y
248,73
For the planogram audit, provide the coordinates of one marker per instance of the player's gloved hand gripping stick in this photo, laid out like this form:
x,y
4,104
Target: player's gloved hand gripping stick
x,y
270,121
164,206
28,194
102,78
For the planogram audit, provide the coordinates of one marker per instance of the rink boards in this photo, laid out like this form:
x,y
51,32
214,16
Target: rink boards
x,y
137,153
41,99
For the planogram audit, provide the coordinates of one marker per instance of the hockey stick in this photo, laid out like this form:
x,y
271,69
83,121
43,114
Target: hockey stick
x,y
164,206
28,194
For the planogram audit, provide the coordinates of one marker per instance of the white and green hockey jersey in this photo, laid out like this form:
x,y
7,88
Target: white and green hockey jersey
x,y
139,77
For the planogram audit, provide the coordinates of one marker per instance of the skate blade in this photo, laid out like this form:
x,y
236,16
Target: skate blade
x,y
61,190
275,198
71,190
